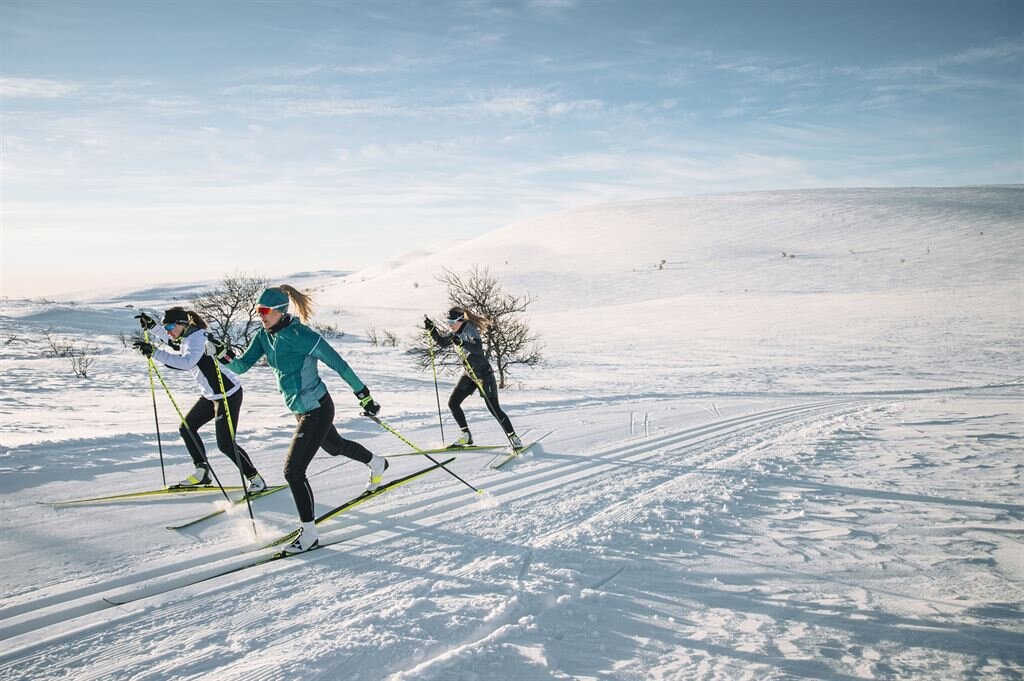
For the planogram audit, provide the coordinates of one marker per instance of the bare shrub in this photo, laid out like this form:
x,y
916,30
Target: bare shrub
x,y
56,346
82,360
230,308
508,341
328,330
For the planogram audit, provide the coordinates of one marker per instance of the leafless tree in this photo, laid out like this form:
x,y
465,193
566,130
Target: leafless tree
x,y
57,347
230,308
508,341
82,360
327,330
372,336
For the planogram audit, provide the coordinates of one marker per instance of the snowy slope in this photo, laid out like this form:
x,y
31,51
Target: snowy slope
x,y
928,279
749,466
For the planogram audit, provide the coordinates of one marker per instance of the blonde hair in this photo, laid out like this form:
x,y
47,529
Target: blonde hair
x,y
481,323
302,302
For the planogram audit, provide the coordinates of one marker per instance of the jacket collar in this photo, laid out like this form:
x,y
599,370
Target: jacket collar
x,y
283,322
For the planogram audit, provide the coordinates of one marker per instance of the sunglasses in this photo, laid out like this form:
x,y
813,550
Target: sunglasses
x,y
169,327
264,310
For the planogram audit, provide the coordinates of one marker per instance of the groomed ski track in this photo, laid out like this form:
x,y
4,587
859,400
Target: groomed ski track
x,y
667,463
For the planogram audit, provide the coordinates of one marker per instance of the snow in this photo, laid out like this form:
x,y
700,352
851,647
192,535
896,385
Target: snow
x,y
749,465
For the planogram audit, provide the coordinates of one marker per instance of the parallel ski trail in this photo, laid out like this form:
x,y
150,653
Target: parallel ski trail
x,y
535,477
532,540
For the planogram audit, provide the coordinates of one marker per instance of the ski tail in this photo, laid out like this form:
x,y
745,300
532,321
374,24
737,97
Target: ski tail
x,y
143,494
498,462
219,511
450,450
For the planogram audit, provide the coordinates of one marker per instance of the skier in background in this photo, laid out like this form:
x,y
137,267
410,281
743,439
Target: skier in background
x,y
464,330
293,349
191,349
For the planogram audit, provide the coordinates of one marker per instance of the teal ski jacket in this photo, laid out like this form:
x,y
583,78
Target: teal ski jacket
x,y
293,352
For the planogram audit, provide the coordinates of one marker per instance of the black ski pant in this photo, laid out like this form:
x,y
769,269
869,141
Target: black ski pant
x,y
465,387
201,413
316,430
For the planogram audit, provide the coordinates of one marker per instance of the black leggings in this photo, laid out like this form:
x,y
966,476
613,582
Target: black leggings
x,y
201,413
465,387
315,430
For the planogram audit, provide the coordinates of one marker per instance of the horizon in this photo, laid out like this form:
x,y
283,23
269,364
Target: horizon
x,y
168,143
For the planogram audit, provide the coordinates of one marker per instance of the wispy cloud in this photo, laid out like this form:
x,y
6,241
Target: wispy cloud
x,y
1001,52
39,88
552,5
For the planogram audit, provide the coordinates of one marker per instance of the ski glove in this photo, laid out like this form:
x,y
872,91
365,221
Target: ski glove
x,y
143,347
428,323
223,353
145,321
367,402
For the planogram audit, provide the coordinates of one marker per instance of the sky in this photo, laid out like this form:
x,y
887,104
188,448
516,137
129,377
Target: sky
x,y
147,142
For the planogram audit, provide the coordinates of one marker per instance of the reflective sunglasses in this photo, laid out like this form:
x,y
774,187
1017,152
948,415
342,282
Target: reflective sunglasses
x,y
169,327
264,310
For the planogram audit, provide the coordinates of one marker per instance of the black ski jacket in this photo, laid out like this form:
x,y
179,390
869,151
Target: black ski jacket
x,y
472,344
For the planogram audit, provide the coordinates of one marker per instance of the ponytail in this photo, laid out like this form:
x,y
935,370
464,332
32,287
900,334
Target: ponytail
x,y
481,323
303,303
196,320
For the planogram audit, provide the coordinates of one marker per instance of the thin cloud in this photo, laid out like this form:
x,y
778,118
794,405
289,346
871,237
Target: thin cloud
x,y
39,88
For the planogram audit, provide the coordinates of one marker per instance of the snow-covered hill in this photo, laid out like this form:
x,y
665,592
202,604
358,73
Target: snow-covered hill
x,y
779,437
724,292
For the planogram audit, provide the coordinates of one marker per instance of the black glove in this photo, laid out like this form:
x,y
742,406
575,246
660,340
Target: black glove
x,y
367,403
428,324
143,347
145,321
457,339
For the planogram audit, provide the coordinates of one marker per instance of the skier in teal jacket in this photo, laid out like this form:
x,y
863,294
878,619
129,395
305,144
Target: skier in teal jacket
x,y
293,349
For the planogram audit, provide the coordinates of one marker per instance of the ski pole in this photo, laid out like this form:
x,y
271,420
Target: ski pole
x,y
400,437
234,445
433,367
195,439
152,392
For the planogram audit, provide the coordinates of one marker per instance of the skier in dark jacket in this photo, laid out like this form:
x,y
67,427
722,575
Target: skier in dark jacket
x,y
465,327
190,348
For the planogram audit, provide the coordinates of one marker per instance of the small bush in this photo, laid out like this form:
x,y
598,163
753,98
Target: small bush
x,y
82,360
56,347
328,330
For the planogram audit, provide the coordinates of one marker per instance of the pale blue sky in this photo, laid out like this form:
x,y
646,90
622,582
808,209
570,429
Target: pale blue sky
x,y
170,141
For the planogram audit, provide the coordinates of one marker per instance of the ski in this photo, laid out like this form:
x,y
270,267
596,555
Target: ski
x,y
219,511
264,553
449,450
175,489
455,449
513,454
365,496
